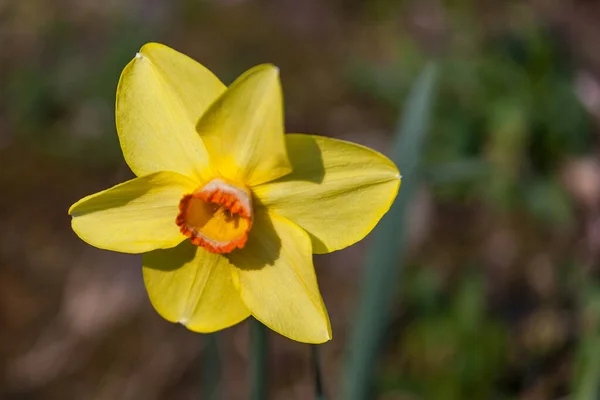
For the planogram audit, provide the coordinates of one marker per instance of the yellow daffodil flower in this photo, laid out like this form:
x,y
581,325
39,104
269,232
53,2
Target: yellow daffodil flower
x,y
226,208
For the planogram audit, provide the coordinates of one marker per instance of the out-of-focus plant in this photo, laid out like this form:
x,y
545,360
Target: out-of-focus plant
x,y
507,103
507,119
586,382
451,349
62,101
388,251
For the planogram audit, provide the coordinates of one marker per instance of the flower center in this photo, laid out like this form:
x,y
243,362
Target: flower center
x,y
218,216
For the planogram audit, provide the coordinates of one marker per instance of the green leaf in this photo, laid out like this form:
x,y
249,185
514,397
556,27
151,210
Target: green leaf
x,y
389,244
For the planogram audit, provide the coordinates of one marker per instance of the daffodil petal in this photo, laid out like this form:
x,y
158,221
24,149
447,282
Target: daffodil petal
x,y
243,129
192,286
135,216
161,95
277,282
337,192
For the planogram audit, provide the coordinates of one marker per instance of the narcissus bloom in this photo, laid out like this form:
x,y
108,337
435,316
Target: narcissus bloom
x,y
226,208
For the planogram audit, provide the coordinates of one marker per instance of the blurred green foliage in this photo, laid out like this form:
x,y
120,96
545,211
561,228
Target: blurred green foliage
x,y
509,104
387,254
68,89
507,119
452,348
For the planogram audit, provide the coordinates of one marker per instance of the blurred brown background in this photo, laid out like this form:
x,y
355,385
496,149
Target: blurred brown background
x,y
500,298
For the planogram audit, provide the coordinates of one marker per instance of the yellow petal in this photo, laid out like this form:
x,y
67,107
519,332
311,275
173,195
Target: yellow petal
x,y
277,281
135,216
243,129
337,192
161,95
189,285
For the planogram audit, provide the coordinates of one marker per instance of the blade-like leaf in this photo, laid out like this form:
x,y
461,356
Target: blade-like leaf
x,y
389,244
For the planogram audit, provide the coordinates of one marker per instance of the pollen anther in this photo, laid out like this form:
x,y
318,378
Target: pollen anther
x,y
217,216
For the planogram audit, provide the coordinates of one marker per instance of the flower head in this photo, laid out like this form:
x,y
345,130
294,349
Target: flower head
x,y
226,208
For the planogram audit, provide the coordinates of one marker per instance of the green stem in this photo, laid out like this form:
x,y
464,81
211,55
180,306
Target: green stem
x,y
211,369
259,350
319,395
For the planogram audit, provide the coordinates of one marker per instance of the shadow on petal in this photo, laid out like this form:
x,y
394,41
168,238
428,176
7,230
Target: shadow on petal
x,y
263,247
305,155
316,242
102,201
171,259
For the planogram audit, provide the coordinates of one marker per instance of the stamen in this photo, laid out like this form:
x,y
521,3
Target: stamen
x,y
217,217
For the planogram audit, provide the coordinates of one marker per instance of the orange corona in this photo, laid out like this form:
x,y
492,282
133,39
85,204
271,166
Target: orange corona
x,y
217,217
